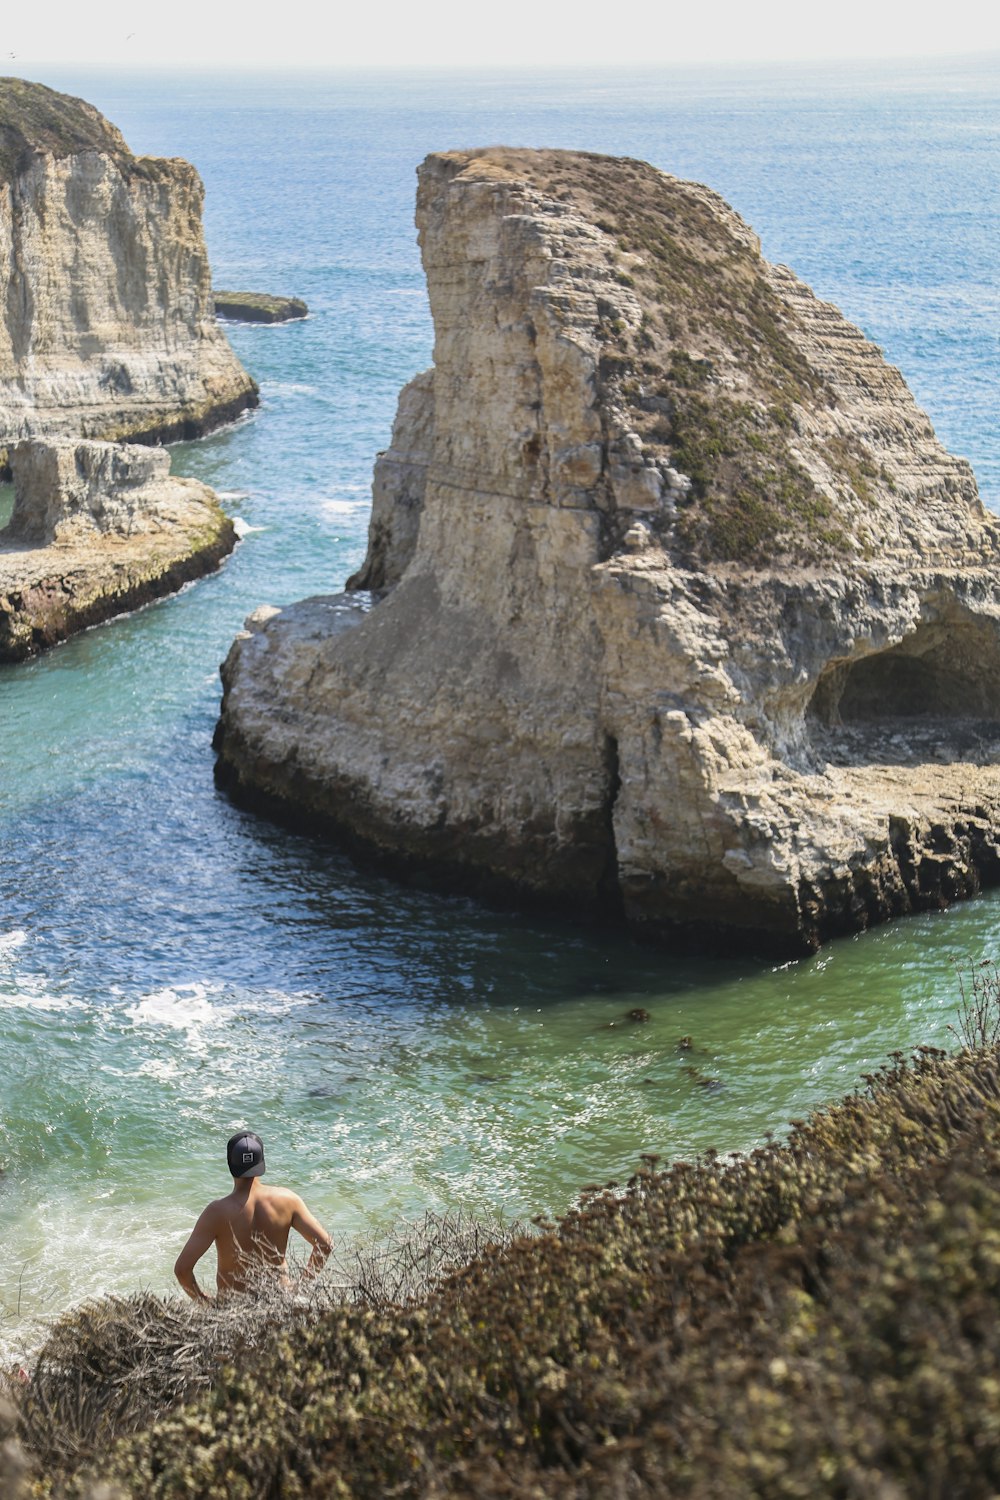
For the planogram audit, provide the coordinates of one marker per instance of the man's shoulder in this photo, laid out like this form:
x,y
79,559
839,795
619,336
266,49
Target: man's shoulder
x,y
214,1211
278,1193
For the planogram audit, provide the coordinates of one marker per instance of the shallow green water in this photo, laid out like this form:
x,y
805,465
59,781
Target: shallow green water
x,y
512,1090
172,969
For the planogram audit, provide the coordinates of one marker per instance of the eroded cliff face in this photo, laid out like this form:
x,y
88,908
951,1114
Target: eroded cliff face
x,y
681,610
107,325
98,529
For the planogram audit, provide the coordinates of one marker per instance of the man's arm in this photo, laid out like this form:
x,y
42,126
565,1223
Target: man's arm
x,y
201,1238
312,1230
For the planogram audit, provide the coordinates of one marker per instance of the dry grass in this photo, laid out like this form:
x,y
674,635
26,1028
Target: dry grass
x,y
36,118
116,1364
399,1267
979,1008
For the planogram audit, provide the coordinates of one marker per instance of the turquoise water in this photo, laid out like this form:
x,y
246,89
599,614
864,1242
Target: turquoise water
x,y
172,969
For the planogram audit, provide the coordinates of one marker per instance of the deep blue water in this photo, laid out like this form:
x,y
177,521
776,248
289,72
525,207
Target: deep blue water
x,y
172,969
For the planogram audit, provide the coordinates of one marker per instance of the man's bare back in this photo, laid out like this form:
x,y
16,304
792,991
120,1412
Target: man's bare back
x,y
249,1228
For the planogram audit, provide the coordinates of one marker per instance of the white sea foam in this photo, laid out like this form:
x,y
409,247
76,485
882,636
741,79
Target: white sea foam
x,y
184,1007
340,507
45,1271
158,1067
198,1006
30,992
290,388
27,991
11,941
243,528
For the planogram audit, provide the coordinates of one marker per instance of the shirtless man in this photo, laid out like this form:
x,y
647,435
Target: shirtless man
x,y
250,1225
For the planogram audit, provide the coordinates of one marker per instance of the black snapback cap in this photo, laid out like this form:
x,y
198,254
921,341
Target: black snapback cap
x,y
245,1154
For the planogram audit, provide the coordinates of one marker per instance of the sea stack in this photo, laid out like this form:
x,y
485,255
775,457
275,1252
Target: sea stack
x,y
681,614
109,326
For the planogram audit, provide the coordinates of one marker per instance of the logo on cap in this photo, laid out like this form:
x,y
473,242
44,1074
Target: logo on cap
x,y
248,1158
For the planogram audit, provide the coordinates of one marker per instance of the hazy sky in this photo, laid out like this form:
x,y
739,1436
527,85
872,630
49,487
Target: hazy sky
x,y
457,32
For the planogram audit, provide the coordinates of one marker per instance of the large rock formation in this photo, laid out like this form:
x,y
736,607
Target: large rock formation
x,y
683,612
98,529
107,326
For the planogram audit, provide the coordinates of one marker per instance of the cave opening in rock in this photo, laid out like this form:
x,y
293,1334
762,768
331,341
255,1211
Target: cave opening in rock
x,y
949,669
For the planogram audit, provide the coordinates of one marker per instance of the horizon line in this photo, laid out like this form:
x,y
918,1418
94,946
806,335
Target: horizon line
x,y
529,67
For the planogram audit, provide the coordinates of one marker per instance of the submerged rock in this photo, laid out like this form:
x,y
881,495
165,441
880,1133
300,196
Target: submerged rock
x,y
683,614
98,529
109,328
258,307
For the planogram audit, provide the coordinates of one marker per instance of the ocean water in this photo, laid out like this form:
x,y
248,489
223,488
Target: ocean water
x,y
172,969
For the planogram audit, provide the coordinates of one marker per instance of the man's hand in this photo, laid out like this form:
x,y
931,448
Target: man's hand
x,y
312,1230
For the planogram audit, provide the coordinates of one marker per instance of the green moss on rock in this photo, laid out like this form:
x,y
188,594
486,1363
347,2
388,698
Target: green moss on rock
x,y
715,378
258,307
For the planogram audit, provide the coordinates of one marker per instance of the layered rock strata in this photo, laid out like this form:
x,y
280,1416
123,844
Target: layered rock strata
x,y
98,529
108,325
258,307
682,613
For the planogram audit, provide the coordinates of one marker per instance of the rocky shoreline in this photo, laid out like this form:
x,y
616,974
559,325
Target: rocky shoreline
x,y
98,530
682,615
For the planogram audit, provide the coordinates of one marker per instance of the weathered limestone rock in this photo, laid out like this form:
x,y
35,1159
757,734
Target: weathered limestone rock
x,y
98,529
398,488
108,327
258,307
682,612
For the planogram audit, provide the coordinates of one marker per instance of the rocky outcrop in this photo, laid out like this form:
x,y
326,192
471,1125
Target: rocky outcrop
x,y
398,489
258,307
107,325
98,529
682,612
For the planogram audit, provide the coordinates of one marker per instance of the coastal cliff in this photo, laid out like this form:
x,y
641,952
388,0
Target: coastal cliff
x,y
98,529
682,614
108,326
